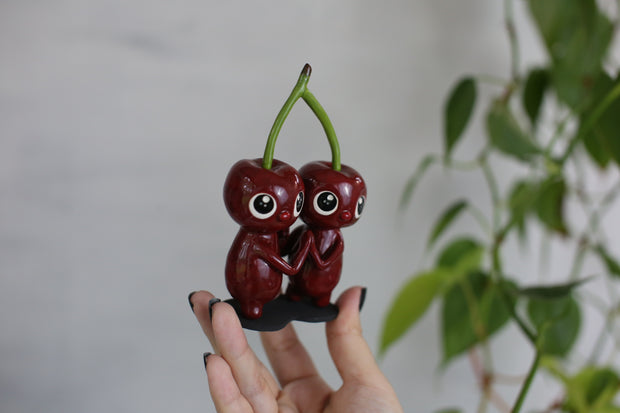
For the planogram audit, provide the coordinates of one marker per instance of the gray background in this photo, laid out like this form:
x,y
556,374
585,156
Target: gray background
x,y
118,123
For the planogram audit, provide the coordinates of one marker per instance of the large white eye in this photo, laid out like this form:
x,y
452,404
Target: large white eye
x,y
360,206
262,206
299,203
325,203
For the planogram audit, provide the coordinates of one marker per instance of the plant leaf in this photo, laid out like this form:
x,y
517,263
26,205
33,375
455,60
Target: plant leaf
x,y
603,141
457,111
558,322
461,256
409,305
445,220
534,91
550,204
592,390
520,202
412,182
613,267
551,291
506,135
472,311
577,36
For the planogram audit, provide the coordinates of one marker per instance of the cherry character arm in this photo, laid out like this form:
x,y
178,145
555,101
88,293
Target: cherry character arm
x,y
276,261
292,241
333,253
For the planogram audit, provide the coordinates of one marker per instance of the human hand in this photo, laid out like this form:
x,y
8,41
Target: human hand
x,y
240,383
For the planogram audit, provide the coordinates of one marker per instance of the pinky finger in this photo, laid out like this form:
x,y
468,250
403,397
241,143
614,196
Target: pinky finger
x,y
224,390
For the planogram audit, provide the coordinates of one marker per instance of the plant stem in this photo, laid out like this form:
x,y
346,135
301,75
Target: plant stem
x,y
493,189
298,90
527,383
482,220
598,346
491,80
512,38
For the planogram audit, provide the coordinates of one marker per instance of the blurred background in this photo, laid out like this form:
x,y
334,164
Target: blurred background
x,y
119,121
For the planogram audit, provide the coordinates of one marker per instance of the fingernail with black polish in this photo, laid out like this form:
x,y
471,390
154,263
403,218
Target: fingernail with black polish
x,y
362,297
189,298
204,358
212,302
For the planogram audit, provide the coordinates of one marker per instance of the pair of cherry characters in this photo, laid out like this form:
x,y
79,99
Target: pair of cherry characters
x,y
265,203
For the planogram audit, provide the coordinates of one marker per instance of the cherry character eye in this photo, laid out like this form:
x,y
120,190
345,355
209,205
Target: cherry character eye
x,y
360,206
299,203
262,206
325,203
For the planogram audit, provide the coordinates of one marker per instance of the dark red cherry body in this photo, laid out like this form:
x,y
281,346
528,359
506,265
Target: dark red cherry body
x,y
264,202
334,199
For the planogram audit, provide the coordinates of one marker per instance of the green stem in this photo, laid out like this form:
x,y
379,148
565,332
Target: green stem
x,y
301,91
320,113
493,189
491,80
504,295
297,92
598,346
527,383
512,37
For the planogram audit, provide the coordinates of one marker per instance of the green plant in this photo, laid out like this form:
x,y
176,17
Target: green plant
x,y
576,96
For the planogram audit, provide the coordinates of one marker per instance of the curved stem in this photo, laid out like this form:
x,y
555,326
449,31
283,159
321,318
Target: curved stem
x,y
297,92
320,113
527,383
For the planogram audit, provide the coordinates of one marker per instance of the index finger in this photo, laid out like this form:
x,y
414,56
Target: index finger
x,y
200,303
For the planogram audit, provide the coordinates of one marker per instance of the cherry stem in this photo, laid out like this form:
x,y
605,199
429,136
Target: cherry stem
x,y
327,127
301,91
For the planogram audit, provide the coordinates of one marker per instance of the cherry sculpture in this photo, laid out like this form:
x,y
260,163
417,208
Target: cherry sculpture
x,y
265,197
264,202
336,199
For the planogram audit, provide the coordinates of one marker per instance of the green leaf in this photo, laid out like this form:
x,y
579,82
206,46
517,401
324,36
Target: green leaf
x,y
534,91
550,204
592,390
461,256
412,182
577,36
557,321
613,267
457,111
506,135
410,304
603,140
551,291
445,220
521,201
472,311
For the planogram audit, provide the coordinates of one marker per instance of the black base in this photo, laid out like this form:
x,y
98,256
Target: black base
x,y
281,311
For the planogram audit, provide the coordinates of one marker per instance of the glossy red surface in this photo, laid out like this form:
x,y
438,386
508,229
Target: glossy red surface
x,y
263,202
332,202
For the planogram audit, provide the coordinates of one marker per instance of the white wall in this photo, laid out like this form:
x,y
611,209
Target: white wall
x,y
118,123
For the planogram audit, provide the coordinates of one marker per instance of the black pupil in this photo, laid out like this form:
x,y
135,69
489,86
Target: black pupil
x,y
360,206
263,204
300,201
327,201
